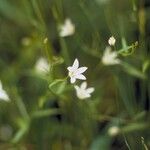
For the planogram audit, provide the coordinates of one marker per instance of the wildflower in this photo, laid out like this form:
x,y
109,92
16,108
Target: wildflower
x,y
82,91
112,41
75,72
113,131
42,65
3,95
26,41
109,57
45,40
67,29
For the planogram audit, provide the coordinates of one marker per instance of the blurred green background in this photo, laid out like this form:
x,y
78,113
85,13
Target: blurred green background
x,y
43,117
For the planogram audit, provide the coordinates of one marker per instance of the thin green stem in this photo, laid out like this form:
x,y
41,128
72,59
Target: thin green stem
x,y
21,106
65,52
126,142
45,113
38,12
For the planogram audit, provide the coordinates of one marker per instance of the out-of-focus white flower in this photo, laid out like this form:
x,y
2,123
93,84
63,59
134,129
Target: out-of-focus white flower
x,y
45,40
109,57
83,92
75,72
113,131
26,41
3,94
112,41
67,29
42,65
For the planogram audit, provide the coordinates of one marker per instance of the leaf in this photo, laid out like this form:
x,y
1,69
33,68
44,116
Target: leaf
x,y
11,11
24,127
127,50
58,86
101,143
146,65
43,113
57,60
134,127
133,71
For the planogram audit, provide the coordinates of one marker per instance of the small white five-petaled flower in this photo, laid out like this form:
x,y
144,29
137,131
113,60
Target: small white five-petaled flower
x,y
83,92
3,95
113,131
42,65
111,41
75,72
109,57
67,29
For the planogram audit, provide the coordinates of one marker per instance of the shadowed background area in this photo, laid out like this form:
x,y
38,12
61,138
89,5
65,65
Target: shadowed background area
x,y
43,111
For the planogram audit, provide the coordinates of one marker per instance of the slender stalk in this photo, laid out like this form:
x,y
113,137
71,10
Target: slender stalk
x,y
21,106
126,142
45,113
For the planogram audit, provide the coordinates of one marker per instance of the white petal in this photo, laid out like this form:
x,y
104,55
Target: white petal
x,y
113,54
84,96
67,29
72,80
107,51
62,33
81,70
70,69
116,61
88,95
3,95
110,57
112,41
70,27
42,65
84,85
90,90
75,64
81,77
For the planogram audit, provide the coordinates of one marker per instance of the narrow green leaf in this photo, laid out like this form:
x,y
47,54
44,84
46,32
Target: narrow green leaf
x,y
127,50
135,127
133,71
146,65
58,86
24,126
44,113
101,143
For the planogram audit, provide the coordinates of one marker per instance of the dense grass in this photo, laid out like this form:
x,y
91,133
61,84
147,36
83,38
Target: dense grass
x,y
44,112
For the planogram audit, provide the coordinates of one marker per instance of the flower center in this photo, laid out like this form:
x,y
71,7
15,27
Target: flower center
x,y
71,74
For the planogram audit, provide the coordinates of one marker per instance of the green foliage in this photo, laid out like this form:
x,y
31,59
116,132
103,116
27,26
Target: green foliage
x,y
44,112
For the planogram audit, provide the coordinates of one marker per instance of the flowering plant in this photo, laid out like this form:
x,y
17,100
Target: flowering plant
x,y
74,75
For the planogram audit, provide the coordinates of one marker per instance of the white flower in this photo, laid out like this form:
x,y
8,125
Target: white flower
x,y
67,29
112,41
83,92
113,131
3,95
75,72
42,65
26,41
109,57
